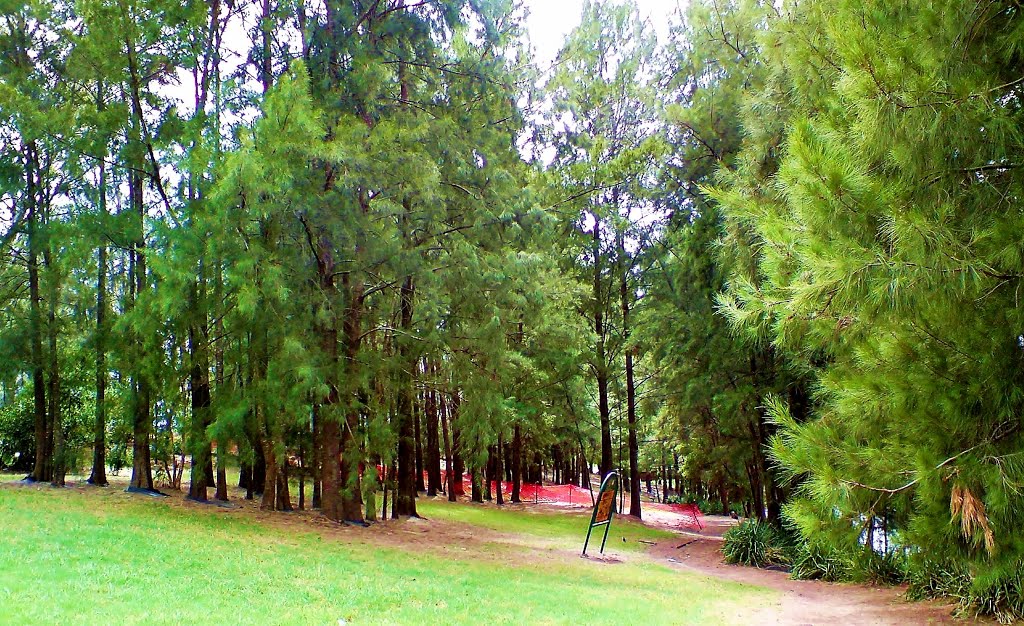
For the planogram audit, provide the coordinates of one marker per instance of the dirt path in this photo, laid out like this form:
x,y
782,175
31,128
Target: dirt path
x,y
800,601
803,601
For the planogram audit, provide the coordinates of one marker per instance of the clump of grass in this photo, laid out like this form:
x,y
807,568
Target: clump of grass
x,y
756,543
998,592
813,561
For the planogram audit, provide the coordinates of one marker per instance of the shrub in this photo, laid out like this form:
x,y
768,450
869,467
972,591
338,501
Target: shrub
x,y
17,430
814,561
753,542
889,568
999,592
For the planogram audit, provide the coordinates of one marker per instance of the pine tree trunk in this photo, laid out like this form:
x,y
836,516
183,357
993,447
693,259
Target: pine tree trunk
x,y
432,457
244,475
302,479
284,498
43,455
330,504
199,383
448,461
406,494
476,490
317,453
417,420
499,472
218,352
517,463
489,474
458,463
352,454
269,500
98,476
59,448
601,366
222,474
259,470
406,497
142,466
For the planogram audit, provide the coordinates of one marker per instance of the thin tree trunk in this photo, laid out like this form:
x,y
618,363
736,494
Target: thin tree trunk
x,y
458,463
142,470
43,460
199,383
269,501
244,474
432,457
352,453
448,462
222,475
517,463
406,497
601,366
330,505
316,467
59,448
302,479
417,412
284,498
634,447
489,475
98,476
499,498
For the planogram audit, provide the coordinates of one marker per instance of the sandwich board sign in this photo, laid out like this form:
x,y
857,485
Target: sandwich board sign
x,y
604,508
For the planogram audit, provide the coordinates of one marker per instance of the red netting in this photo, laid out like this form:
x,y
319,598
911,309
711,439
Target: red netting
x,y
683,515
565,495
678,515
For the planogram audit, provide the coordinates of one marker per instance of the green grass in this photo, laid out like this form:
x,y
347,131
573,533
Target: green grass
x,y
102,557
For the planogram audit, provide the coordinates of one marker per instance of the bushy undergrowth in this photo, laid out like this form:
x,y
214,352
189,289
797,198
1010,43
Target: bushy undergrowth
x,y
996,591
816,562
757,543
999,592
761,544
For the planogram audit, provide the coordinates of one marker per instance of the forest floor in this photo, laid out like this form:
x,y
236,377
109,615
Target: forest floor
x,y
93,555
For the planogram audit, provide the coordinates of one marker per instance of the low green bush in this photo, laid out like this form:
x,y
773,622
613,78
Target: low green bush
x,y
998,592
757,543
813,561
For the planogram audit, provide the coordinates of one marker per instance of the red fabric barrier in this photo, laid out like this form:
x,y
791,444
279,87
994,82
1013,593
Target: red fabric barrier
x,y
690,515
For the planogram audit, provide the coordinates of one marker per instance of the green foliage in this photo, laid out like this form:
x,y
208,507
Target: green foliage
x,y
999,593
818,561
888,568
880,219
17,438
754,542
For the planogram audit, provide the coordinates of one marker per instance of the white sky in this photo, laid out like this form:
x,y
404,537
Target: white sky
x,y
550,21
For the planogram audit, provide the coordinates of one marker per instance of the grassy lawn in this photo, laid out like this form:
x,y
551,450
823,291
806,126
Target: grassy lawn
x,y
102,557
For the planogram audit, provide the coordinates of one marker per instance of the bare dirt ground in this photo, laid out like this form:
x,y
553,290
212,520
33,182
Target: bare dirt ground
x,y
798,603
